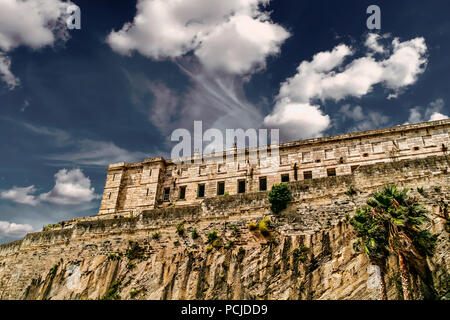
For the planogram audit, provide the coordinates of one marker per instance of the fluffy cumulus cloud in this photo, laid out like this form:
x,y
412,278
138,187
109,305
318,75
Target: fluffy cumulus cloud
x,y
234,36
71,187
333,75
14,230
21,195
432,112
32,23
363,120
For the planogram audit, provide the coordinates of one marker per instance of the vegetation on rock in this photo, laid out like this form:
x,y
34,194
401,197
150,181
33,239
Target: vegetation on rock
x,y
279,197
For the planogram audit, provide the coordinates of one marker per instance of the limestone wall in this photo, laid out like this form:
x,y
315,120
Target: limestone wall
x,y
140,186
81,259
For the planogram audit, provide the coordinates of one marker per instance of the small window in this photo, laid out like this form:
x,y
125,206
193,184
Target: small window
x,y
285,178
365,155
354,168
318,161
241,186
114,177
416,148
201,191
109,195
263,184
167,194
220,188
307,175
150,172
182,195
331,172
146,194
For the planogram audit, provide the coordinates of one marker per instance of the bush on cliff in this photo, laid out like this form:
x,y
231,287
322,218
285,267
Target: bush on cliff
x,y
279,197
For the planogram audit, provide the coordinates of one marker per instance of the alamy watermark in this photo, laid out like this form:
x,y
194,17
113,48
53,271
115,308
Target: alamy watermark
x,y
374,21
73,20
251,146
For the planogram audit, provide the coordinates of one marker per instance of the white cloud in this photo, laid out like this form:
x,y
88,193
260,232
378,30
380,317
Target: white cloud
x,y
326,77
164,106
21,195
71,187
5,72
98,153
432,112
36,24
14,230
234,36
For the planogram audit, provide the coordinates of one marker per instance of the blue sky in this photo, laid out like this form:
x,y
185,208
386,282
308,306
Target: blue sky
x,y
73,101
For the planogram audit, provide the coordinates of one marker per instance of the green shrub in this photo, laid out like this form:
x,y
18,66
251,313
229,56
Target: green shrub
x,y
420,190
279,197
113,256
194,234
226,193
351,191
209,248
299,254
180,229
112,293
134,251
133,293
53,270
155,235
212,236
229,245
252,226
131,265
265,227
51,226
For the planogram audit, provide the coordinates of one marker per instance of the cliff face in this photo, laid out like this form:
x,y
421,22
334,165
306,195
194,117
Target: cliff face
x,y
144,257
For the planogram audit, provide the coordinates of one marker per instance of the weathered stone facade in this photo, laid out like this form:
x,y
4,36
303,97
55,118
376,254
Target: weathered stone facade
x,y
82,258
132,188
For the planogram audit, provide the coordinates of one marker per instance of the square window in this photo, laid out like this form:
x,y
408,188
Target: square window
x,y
166,194
241,186
201,191
220,188
263,184
285,178
182,193
331,172
307,175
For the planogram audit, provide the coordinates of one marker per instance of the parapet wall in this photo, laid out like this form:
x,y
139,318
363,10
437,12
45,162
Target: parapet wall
x,y
136,187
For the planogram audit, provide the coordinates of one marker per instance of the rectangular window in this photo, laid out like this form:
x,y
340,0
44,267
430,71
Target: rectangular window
x,y
241,186
146,194
167,194
331,172
114,176
201,191
109,195
285,178
307,175
182,193
263,184
220,188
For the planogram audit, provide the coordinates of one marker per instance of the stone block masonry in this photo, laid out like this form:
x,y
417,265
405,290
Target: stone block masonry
x,y
157,183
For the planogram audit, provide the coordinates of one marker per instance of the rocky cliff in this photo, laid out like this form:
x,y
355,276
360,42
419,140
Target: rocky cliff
x,y
165,254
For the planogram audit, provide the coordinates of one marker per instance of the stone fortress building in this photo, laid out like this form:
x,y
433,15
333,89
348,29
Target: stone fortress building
x,y
156,182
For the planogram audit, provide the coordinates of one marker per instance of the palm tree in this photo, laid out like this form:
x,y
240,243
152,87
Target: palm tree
x,y
373,240
394,222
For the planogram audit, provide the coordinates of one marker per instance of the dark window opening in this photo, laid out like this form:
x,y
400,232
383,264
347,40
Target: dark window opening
x,y
416,148
241,186
114,176
182,193
307,175
365,155
220,188
147,193
318,161
263,184
285,178
331,172
201,191
109,195
167,194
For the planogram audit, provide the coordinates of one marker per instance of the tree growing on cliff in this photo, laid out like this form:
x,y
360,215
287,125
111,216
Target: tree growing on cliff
x,y
392,221
279,197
